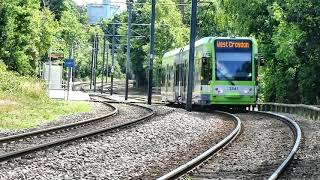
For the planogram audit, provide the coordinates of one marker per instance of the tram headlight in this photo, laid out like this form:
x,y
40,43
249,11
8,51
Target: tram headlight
x,y
220,91
247,91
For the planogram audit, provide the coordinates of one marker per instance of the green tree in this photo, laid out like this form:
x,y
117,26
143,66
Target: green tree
x,y
288,36
20,34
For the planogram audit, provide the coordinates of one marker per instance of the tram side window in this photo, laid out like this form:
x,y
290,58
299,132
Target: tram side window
x,y
182,74
169,75
179,74
176,78
163,73
206,70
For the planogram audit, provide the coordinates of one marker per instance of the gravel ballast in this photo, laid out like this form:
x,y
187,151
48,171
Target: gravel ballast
x,y
305,164
125,114
98,109
144,151
258,151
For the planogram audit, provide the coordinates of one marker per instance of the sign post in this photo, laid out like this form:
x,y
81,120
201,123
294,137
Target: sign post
x,y
68,63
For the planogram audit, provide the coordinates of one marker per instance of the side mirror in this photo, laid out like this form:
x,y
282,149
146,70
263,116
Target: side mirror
x,y
260,60
204,60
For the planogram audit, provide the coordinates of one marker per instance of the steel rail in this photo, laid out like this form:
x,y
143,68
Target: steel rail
x,y
130,102
202,157
198,160
116,84
297,132
29,150
138,100
58,128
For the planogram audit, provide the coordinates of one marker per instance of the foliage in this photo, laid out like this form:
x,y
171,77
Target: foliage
x,y
286,30
24,102
19,27
288,36
28,32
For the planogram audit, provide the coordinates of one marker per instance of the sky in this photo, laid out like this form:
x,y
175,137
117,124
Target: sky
x,y
83,2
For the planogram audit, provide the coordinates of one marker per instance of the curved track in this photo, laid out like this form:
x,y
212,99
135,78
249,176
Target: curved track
x,y
134,98
21,144
198,160
252,155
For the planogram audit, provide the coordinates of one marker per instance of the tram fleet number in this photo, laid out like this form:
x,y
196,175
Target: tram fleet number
x,y
233,88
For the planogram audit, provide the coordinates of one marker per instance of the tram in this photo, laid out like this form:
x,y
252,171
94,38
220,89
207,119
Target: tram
x,y
225,72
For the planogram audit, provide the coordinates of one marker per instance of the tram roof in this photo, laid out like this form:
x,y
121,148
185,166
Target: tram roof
x,y
200,42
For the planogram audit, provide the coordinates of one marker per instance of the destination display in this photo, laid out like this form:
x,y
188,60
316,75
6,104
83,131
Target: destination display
x,y
233,45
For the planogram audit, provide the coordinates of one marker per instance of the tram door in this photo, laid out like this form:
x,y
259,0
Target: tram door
x,y
179,82
166,79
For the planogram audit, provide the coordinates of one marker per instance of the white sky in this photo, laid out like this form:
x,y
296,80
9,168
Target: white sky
x,y
83,2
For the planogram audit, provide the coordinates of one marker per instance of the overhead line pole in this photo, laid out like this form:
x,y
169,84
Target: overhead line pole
x,y
112,58
128,48
95,64
92,61
107,63
193,33
103,61
153,16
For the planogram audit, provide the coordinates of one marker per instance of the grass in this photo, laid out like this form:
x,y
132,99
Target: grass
x,y
22,114
24,102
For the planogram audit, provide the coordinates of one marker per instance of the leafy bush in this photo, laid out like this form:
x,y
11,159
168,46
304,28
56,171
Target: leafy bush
x,y
13,86
24,102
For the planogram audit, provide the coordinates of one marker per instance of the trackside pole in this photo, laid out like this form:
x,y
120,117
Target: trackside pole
x,y
193,33
92,60
103,61
69,71
128,48
112,57
153,15
95,64
107,65
49,75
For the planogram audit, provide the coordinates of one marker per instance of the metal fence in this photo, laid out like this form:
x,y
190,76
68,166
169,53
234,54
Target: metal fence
x,y
306,111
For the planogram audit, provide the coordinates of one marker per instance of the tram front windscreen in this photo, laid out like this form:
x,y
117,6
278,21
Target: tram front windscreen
x,y
233,60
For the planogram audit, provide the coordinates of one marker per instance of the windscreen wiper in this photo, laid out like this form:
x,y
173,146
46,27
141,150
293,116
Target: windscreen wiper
x,y
226,77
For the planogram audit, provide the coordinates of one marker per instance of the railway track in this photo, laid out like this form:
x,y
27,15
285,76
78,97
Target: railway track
x,y
85,87
262,151
281,159
21,144
133,98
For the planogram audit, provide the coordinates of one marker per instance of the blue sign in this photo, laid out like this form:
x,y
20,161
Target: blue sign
x,y
68,63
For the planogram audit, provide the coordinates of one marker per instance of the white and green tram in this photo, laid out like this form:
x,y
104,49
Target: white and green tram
x,y
225,72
